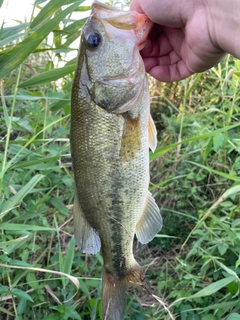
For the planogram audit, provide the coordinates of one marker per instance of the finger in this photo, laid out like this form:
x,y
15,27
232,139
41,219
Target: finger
x,y
162,12
156,45
135,6
169,73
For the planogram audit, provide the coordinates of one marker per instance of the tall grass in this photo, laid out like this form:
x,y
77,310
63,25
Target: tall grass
x,y
193,265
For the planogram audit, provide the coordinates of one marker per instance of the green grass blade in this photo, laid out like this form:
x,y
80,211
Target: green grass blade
x,y
68,261
47,11
75,26
14,57
47,162
222,174
5,109
72,278
48,76
17,198
231,191
10,39
23,227
7,243
163,150
197,78
18,155
212,288
11,31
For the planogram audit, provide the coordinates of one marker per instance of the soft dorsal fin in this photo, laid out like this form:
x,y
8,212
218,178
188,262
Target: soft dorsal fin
x,y
86,237
152,134
150,222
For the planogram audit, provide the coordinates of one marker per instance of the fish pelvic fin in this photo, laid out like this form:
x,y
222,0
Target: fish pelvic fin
x,y
86,237
114,298
150,222
152,134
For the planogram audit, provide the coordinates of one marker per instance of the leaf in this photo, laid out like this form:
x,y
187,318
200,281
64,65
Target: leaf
x,y
222,174
15,200
73,279
219,141
21,294
7,243
160,151
48,76
68,261
226,194
234,316
34,163
49,9
212,288
71,313
3,310
10,39
222,305
14,57
74,27
222,248
23,227
4,289
11,31
59,205
32,280
19,263
21,307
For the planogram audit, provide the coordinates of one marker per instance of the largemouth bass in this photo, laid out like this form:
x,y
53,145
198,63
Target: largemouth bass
x,y
111,132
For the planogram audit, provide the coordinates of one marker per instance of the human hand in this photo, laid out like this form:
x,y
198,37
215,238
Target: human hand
x,y
181,42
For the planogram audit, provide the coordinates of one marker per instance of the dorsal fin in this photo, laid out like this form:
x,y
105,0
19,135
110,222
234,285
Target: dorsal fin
x,y
150,222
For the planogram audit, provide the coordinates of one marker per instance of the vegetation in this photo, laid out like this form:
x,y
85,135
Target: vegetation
x,y
193,265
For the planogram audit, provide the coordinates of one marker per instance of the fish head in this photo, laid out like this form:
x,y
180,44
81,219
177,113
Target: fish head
x,y
112,70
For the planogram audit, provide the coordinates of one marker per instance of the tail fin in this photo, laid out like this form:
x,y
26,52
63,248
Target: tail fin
x,y
114,299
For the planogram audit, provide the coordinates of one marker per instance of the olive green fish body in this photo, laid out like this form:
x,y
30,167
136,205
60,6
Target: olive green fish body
x,y
111,131
110,158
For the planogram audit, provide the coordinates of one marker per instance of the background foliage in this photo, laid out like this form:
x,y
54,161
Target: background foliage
x,y
193,265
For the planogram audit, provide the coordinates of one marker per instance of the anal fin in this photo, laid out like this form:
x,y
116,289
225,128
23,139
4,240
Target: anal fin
x,y
150,222
86,237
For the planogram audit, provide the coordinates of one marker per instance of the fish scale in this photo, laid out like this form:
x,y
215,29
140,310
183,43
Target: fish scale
x,y
111,131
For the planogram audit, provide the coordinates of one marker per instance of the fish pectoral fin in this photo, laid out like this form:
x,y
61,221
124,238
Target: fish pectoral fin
x,y
150,222
152,134
86,237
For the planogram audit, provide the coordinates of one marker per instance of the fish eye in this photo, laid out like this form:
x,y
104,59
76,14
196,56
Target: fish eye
x,y
93,40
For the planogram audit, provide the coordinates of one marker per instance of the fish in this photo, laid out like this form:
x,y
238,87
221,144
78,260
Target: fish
x,y
110,136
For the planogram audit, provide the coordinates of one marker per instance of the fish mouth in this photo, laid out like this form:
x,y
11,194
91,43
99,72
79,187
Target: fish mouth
x,y
115,20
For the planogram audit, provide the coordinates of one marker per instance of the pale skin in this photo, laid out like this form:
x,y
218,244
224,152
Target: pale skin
x,y
188,36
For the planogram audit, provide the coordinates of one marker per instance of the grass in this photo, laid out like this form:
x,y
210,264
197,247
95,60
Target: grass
x,y
193,265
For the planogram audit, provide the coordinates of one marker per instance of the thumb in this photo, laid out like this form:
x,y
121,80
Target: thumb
x,y
163,12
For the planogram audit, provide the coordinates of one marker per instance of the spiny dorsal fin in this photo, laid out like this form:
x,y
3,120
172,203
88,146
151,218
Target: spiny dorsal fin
x,y
86,237
150,222
152,134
